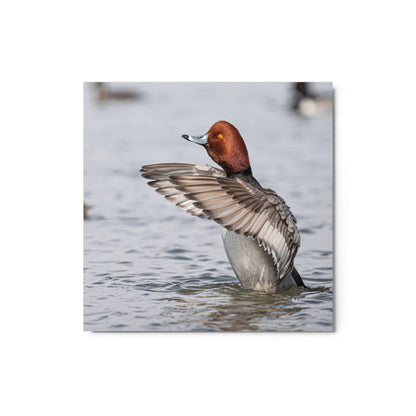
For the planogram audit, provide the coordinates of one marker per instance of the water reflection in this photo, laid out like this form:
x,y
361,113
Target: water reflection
x,y
251,311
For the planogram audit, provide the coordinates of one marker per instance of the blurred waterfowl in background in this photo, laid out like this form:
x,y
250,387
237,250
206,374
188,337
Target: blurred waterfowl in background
x,y
308,103
86,209
104,93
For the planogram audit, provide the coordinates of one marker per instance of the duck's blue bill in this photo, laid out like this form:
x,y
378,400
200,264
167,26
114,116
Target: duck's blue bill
x,y
202,140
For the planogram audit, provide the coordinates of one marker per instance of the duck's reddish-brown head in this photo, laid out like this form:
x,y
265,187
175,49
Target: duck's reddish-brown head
x,y
225,146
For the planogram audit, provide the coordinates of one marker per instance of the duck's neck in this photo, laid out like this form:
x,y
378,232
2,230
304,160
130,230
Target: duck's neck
x,y
244,172
245,175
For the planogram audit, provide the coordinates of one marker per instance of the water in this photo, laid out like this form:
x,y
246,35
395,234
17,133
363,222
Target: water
x,y
150,266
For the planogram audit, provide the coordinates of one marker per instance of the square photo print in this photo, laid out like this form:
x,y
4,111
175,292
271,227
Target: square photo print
x,y
208,206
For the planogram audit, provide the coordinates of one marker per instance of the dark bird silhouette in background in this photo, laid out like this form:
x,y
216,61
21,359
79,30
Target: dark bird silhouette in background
x,y
104,93
308,103
86,209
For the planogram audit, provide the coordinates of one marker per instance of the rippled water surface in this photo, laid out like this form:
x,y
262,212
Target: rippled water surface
x,y
149,266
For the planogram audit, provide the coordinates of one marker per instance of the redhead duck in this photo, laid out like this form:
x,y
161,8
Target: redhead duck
x,y
258,230
308,103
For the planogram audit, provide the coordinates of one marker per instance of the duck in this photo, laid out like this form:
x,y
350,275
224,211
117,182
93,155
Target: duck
x,y
258,230
102,93
86,210
308,103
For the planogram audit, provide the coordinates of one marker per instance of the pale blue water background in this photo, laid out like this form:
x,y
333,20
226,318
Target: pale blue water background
x,y
149,266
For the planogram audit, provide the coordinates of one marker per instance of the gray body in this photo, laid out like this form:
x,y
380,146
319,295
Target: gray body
x,y
253,266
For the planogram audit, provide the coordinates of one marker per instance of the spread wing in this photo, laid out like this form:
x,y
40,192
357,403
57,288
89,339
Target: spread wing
x,y
162,174
204,191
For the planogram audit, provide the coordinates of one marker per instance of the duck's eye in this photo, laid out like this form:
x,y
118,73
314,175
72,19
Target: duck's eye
x,y
220,135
